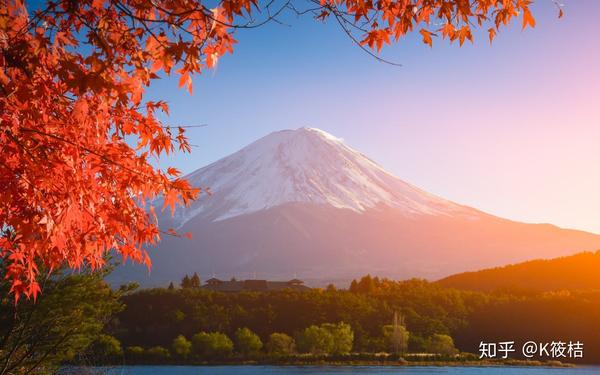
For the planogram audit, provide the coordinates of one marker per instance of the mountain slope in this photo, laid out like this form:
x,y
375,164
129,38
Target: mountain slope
x,y
301,202
575,272
304,166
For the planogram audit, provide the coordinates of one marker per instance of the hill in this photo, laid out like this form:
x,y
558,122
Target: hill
x,y
575,272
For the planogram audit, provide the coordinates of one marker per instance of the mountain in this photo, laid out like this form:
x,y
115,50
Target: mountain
x,y
306,166
301,202
575,272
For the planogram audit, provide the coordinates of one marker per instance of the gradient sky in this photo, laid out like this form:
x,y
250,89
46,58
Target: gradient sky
x,y
512,129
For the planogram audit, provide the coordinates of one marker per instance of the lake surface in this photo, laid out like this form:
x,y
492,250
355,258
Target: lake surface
x,y
343,370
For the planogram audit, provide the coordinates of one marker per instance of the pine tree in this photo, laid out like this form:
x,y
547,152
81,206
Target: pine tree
x,y
186,282
171,286
354,286
366,285
195,281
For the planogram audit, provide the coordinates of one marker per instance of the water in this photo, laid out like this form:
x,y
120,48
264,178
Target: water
x,y
346,370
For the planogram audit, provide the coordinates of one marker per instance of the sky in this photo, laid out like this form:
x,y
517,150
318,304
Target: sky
x,y
512,129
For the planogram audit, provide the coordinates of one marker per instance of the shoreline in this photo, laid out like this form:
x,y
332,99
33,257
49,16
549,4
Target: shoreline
x,y
363,363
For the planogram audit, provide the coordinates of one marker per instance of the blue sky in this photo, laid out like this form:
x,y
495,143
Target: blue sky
x,y
512,128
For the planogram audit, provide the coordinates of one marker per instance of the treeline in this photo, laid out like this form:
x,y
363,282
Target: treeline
x,y
154,318
328,340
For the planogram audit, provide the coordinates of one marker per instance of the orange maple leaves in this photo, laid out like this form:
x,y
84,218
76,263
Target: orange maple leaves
x,y
383,21
77,138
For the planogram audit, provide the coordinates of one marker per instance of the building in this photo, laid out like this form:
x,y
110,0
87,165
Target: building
x,y
234,285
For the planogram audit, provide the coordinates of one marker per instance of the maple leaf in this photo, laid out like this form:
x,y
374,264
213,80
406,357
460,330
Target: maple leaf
x,y
448,31
463,34
492,34
185,80
173,171
426,37
528,19
170,200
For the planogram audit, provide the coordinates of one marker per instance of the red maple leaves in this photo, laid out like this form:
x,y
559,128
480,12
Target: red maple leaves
x,y
72,185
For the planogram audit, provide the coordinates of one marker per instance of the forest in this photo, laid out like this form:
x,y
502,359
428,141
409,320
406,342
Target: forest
x,y
81,320
578,271
436,319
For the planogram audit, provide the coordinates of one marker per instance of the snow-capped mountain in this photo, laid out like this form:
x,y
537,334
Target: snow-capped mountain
x,y
305,165
302,203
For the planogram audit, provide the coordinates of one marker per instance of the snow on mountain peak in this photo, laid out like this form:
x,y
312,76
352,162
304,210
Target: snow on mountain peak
x,y
303,165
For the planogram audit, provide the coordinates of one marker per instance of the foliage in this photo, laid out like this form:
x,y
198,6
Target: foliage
x,y
396,337
72,77
195,281
134,353
61,324
280,344
441,344
247,342
181,346
190,282
366,284
104,349
185,282
428,309
158,353
315,340
72,80
327,338
211,345
342,335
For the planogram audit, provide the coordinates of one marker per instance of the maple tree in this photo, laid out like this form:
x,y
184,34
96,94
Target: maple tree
x,y
77,139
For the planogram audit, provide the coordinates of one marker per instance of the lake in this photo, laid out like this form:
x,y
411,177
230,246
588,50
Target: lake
x,y
343,370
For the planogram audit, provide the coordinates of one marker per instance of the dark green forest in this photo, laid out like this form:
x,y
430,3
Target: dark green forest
x,y
155,317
